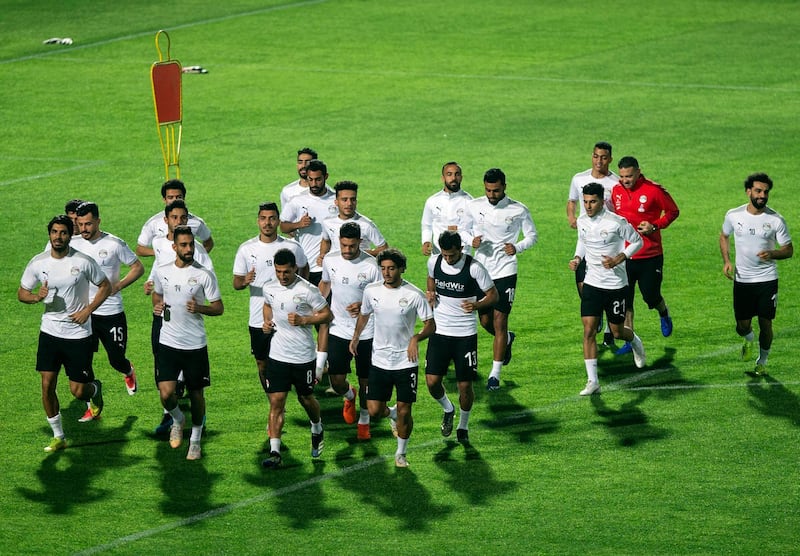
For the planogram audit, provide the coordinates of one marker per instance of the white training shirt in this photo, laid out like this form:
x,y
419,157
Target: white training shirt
x,y
156,226
395,313
68,280
318,208
451,320
497,225
184,330
257,254
370,234
581,179
292,190
164,253
606,234
348,279
110,252
445,209
293,344
753,233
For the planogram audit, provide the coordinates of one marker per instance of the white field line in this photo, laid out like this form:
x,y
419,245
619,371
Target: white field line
x,y
88,164
618,386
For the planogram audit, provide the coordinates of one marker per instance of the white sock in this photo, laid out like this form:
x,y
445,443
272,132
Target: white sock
x,y
750,336
177,414
393,412
763,355
363,417
350,394
55,424
497,366
402,443
197,433
316,428
275,445
463,419
446,404
322,359
591,369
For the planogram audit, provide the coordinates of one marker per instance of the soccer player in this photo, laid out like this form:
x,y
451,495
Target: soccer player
x,y
347,201
253,269
761,237
446,210
303,216
649,208
180,291
63,276
601,244
175,214
498,221
345,274
109,322
395,304
458,286
171,190
292,306
300,185
598,173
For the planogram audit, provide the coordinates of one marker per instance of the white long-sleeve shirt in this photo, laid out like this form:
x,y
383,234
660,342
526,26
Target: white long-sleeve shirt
x,y
605,234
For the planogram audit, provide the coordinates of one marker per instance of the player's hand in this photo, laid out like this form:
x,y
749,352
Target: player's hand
x,y
727,270
645,228
305,221
268,327
573,263
295,319
43,291
432,298
573,222
192,306
80,317
354,309
476,241
469,306
148,287
413,350
765,255
427,249
250,277
509,249
611,262
354,347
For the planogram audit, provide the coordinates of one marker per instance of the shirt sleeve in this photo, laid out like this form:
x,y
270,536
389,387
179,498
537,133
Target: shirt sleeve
x,y
427,223
669,208
529,234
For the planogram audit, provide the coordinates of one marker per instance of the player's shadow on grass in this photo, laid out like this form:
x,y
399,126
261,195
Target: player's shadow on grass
x,y
470,475
628,423
67,476
513,418
397,493
773,399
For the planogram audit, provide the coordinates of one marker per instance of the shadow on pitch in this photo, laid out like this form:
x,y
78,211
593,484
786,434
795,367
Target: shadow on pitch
x,y
470,475
773,399
66,477
513,418
629,424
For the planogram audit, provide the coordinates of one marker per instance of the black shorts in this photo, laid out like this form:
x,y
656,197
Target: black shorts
x,y
649,273
580,272
75,355
315,277
506,289
259,343
112,331
339,357
280,377
193,363
759,299
155,333
463,352
596,301
382,381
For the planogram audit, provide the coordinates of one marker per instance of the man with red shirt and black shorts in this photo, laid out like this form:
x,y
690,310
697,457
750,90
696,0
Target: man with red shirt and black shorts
x,y
649,208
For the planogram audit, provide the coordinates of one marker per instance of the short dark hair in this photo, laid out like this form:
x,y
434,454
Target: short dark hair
x,y
317,165
494,175
451,163
269,205
181,231
61,219
176,204
594,189
173,184
628,162
603,146
72,205
284,257
86,208
345,185
758,176
394,255
350,230
449,239
307,150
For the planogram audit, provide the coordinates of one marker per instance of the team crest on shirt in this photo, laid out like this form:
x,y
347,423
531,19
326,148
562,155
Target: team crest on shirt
x,y
642,201
192,281
460,212
74,271
346,280
332,209
362,279
767,228
403,302
103,253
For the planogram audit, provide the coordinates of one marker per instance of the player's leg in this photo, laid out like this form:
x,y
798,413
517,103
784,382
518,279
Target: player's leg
x,y
339,358
650,280
304,377
767,307
112,331
363,364
406,385
465,359
437,358
591,309
745,307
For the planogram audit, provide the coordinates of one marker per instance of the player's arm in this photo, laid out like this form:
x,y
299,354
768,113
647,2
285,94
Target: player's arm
x,y
361,323
135,271
428,328
430,291
571,218
103,291
324,288
375,250
213,309
670,211
322,316
725,251
529,234
144,251
29,297
427,230
784,252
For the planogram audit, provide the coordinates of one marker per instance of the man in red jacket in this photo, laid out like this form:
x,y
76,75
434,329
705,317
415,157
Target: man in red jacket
x,y
649,209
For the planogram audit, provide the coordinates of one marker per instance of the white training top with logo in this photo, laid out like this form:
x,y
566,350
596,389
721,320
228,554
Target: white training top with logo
x,y
293,344
68,281
110,252
585,178
443,210
184,330
370,234
395,313
164,253
497,225
606,234
451,320
291,190
257,254
318,208
157,227
753,233
348,280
